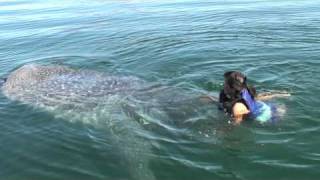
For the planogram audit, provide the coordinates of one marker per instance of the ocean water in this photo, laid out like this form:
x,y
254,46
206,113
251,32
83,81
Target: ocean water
x,y
179,44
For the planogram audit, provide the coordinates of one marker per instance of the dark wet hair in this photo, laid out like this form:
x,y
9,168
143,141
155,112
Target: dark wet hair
x,y
235,80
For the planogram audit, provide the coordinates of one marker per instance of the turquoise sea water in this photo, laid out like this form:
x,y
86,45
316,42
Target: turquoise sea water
x,y
182,44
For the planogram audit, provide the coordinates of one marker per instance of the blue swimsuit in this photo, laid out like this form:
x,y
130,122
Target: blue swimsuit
x,y
259,110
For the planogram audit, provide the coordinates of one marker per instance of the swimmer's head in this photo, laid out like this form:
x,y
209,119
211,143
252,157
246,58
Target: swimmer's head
x,y
235,80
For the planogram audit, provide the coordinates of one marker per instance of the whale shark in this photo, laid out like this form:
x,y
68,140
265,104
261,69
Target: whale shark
x,y
89,97
125,105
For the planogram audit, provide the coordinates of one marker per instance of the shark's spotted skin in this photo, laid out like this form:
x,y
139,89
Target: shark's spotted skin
x,y
124,105
47,85
89,97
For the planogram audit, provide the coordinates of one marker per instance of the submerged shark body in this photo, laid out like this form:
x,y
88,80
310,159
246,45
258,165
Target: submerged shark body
x,y
86,96
56,86
126,105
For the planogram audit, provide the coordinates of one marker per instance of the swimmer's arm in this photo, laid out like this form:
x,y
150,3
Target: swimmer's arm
x,y
209,99
268,95
261,96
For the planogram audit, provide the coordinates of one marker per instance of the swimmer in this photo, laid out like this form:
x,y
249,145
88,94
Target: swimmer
x,y
241,101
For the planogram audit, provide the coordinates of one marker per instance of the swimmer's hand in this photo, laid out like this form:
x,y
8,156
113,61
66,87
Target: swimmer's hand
x,y
239,111
271,95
